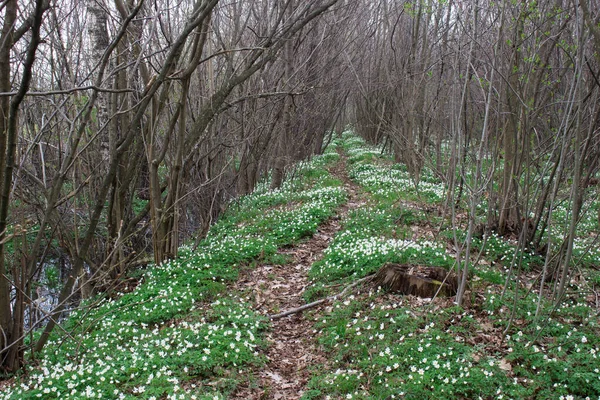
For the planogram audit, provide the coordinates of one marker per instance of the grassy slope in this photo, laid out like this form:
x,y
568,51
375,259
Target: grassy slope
x,y
384,346
179,334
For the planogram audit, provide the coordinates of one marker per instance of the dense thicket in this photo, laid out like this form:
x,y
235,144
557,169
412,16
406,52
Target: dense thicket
x,y
128,125
499,99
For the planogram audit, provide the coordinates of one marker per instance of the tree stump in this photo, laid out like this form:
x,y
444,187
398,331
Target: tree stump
x,y
417,280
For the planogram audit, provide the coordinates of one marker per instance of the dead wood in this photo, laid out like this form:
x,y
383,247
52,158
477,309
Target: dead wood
x,y
343,293
416,280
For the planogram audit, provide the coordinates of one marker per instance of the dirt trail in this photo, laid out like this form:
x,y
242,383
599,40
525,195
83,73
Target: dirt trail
x,y
292,349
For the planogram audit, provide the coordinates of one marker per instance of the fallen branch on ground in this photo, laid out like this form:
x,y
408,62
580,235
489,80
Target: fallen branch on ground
x,y
343,293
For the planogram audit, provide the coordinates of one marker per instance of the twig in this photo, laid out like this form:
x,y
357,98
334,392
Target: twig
x,y
321,301
70,91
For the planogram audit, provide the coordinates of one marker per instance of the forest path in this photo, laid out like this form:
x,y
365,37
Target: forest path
x,y
292,350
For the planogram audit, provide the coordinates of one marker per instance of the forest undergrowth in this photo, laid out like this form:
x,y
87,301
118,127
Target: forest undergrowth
x,y
191,330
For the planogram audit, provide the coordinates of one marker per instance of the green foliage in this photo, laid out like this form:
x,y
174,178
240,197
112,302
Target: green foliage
x,y
351,255
138,205
395,183
385,347
118,356
369,237
500,250
382,351
556,356
51,277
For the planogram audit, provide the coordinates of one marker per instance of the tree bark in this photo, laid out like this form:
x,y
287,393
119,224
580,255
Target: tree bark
x,y
11,350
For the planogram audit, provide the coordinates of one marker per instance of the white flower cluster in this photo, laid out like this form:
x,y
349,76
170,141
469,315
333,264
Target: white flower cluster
x,y
140,345
383,180
359,153
350,254
126,357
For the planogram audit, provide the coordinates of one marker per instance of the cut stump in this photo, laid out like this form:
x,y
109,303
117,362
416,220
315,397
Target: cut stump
x,y
416,280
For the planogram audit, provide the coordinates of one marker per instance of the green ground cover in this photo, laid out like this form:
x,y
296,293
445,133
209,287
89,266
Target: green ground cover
x,y
383,346
180,334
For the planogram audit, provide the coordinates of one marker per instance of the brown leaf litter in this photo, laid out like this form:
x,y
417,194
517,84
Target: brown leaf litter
x,y
292,350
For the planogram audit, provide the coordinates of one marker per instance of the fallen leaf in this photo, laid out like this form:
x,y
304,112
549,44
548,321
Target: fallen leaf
x,y
274,376
486,326
505,365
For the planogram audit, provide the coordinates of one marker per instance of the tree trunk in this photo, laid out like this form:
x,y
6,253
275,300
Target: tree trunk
x,y
6,43
11,350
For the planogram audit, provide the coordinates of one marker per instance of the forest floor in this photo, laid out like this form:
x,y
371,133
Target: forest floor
x,y
292,352
199,326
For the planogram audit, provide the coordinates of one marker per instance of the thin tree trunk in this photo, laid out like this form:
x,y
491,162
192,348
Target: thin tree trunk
x,y
11,360
6,43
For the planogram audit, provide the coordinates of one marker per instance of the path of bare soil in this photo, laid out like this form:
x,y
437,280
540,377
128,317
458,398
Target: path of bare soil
x,y
292,349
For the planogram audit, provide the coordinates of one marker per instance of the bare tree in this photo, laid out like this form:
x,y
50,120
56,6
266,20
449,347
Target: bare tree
x,y
11,323
124,132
